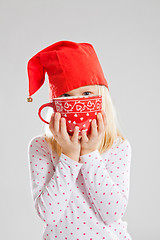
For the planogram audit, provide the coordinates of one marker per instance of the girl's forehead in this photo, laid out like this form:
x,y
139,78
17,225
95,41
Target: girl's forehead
x,y
83,88
90,86
86,87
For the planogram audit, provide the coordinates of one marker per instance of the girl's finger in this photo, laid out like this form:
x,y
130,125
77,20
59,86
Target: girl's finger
x,y
84,136
94,128
63,128
56,122
74,137
51,122
100,124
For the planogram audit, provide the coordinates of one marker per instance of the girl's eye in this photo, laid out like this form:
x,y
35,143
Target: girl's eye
x,y
65,95
87,92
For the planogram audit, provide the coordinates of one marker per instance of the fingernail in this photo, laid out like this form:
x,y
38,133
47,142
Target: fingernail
x,y
57,114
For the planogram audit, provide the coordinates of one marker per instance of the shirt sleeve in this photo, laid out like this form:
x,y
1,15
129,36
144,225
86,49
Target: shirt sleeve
x,y
108,184
51,185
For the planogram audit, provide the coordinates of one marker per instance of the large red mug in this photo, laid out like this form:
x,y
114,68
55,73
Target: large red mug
x,y
78,111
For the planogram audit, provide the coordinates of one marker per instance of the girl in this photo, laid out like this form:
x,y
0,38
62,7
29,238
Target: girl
x,y
80,185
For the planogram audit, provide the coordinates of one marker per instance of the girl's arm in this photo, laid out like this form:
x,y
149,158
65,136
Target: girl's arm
x,y
51,186
108,184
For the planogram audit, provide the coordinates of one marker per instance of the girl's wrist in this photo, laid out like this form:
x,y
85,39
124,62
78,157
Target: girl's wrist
x,y
74,157
83,152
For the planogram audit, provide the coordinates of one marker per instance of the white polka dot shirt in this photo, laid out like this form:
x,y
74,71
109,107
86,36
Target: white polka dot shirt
x,y
83,200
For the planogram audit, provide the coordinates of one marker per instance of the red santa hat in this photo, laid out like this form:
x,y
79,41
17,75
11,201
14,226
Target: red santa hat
x,y
69,65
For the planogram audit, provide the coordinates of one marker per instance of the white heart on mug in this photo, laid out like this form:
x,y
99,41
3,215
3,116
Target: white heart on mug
x,y
69,121
78,107
74,122
90,120
81,118
75,115
66,105
84,125
89,104
87,114
65,115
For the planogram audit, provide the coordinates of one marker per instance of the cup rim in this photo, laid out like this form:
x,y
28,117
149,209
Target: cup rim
x,y
73,97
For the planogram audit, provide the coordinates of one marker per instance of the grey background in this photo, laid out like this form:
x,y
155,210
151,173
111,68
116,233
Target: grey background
x,y
126,37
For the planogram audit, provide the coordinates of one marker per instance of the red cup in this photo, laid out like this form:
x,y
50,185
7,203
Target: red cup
x,y
78,111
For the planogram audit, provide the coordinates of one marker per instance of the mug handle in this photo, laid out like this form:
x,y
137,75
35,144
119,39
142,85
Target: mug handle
x,y
40,109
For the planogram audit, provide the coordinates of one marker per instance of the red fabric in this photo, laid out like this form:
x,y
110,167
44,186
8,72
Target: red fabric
x,y
69,65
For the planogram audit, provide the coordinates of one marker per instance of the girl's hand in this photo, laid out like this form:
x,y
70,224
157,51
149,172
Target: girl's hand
x,y
70,144
90,143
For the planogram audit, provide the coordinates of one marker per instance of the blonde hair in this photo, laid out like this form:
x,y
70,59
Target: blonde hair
x,y
112,130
